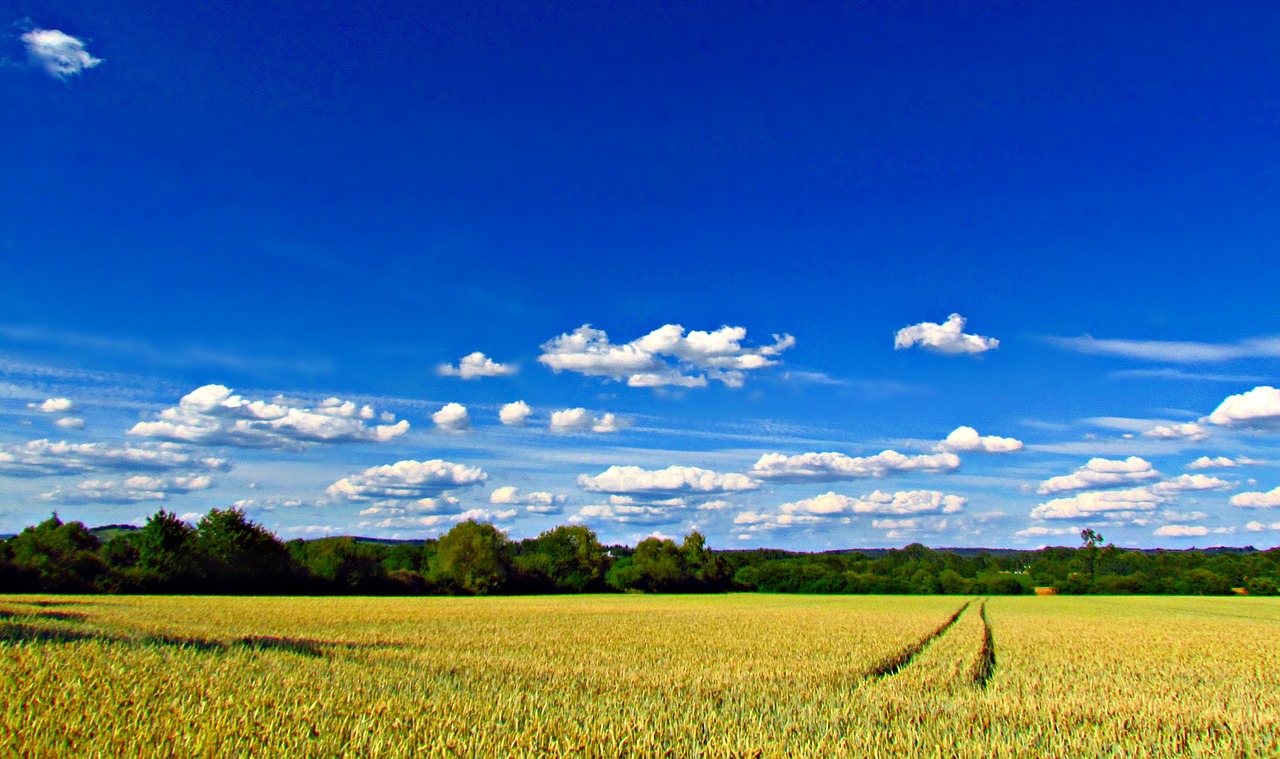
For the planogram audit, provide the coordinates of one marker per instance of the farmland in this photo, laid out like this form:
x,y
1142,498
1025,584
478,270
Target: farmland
x,y
636,675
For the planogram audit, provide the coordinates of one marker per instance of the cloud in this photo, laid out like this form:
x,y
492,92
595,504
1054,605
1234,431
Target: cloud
x,y
674,481
514,414
452,417
474,366
966,440
580,420
415,521
1098,503
445,504
53,405
1040,532
1173,351
1176,431
1180,375
540,502
45,458
626,513
878,503
948,338
58,53
1221,462
1256,526
1181,531
1101,473
1257,500
1186,482
667,356
212,415
134,489
1259,407
405,481
70,423
830,466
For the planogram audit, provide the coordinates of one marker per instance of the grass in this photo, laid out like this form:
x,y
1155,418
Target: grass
x,y
609,676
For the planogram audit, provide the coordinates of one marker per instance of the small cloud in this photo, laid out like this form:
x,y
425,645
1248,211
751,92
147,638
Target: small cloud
x,y
70,423
581,420
515,414
967,439
1255,500
1221,462
475,366
1101,473
58,53
948,337
53,405
1258,408
452,417
1176,431
1181,531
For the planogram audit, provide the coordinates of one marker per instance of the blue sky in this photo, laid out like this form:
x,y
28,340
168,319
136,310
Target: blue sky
x,y
766,215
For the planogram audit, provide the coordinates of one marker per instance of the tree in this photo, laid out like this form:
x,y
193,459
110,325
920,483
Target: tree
x,y
241,556
1089,553
473,558
166,552
63,557
571,557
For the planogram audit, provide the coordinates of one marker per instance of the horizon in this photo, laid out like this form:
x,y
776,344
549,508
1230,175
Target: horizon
x,y
797,278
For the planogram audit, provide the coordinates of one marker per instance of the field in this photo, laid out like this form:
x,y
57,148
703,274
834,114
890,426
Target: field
x,y
608,676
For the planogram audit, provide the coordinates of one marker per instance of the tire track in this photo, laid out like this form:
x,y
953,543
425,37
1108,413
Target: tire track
x,y
890,665
986,664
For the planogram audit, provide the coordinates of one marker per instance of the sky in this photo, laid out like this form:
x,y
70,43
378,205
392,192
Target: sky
x,y
807,276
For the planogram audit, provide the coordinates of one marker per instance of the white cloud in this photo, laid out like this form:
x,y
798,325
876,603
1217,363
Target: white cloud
x,y
514,414
539,502
1257,500
474,366
948,337
45,458
1175,351
444,504
649,485
70,423
58,53
1256,526
1181,531
581,420
1040,532
665,356
415,521
1186,482
1176,431
830,466
1221,462
717,505
878,503
212,415
1101,473
625,513
966,439
406,480
134,489
1259,407
1098,503
53,405
452,417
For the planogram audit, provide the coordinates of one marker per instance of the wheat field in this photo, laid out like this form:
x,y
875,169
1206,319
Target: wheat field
x,y
631,675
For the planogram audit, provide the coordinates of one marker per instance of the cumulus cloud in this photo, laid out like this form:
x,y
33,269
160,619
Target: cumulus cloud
x,y
878,503
581,420
646,484
1221,462
1256,526
666,356
45,458
1101,473
1185,482
538,502
53,405
1259,407
452,417
406,480
1039,531
58,53
474,366
1257,500
829,467
1176,431
514,414
136,489
948,337
1181,531
70,423
1096,503
213,415
625,513
966,440
417,521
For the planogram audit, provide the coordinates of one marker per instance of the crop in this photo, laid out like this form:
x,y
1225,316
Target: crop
x,y
608,676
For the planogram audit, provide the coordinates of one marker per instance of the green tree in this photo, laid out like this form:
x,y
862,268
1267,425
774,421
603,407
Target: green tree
x,y
572,558
241,556
473,558
1089,553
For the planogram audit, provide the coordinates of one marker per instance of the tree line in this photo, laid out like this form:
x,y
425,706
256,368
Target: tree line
x,y
226,553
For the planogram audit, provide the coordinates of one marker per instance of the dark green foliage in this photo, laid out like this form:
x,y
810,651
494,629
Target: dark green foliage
x,y
228,554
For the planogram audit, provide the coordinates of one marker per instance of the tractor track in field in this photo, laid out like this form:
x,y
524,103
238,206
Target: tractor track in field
x,y
986,664
891,664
